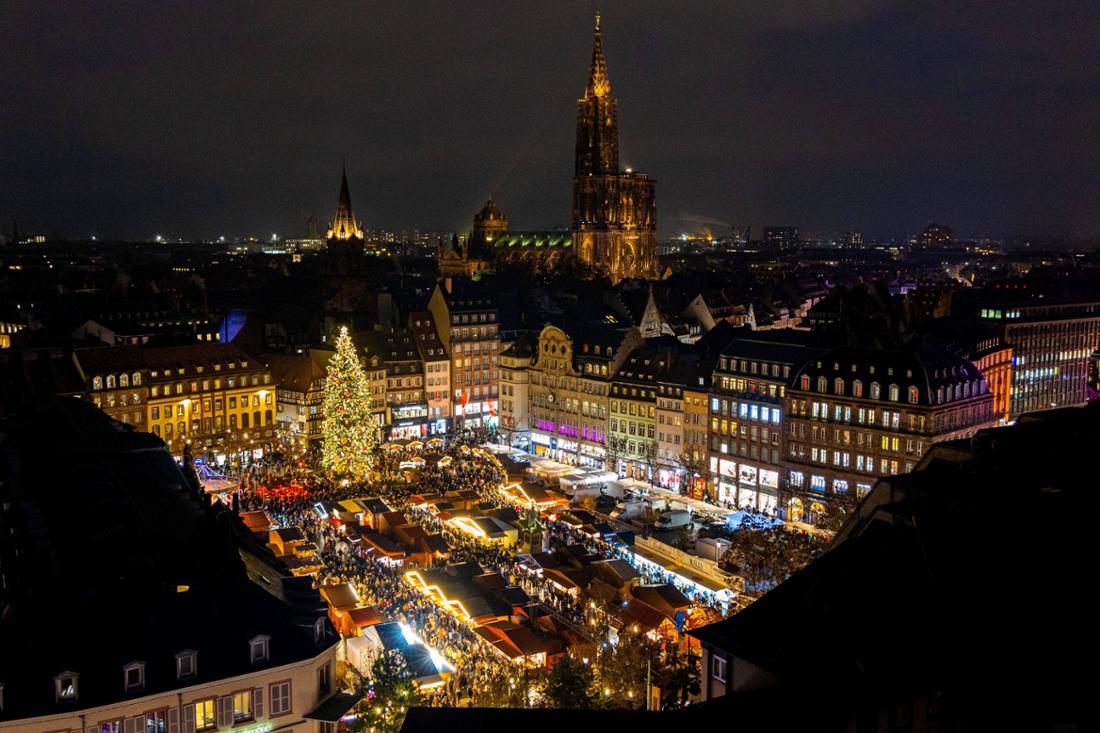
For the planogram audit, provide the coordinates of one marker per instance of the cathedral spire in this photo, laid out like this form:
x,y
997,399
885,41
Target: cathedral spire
x,y
344,225
598,83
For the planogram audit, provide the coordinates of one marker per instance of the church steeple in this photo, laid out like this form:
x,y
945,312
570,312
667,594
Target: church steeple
x,y
344,225
599,85
597,151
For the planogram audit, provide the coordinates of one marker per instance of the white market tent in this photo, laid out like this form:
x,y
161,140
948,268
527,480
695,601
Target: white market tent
x,y
547,469
572,481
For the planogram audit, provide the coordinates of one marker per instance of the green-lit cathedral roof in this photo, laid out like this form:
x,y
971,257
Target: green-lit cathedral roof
x,y
534,239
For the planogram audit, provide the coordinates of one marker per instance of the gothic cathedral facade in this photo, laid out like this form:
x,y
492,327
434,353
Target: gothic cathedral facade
x,y
614,211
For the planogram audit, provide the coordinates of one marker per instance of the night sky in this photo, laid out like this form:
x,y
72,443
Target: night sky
x,y
207,118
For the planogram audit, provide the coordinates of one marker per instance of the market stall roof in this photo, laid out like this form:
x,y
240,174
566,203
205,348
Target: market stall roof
x,y
336,707
340,596
257,521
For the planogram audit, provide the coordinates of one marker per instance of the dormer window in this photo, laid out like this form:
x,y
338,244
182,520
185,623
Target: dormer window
x,y
187,665
319,630
133,676
65,686
259,649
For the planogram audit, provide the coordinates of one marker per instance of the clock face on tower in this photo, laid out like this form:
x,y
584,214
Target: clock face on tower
x,y
550,397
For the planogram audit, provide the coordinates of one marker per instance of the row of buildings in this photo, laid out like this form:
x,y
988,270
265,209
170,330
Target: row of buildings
x,y
776,419
770,420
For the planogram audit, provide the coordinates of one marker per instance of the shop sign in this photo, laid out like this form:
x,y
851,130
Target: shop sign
x,y
540,439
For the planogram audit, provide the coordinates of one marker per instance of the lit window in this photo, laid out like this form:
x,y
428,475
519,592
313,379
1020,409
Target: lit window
x,y
242,706
205,718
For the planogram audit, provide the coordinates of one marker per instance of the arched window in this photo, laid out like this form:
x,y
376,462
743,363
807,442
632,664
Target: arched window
x,y
822,385
123,380
97,382
939,395
136,379
857,388
893,393
838,385
914,395
110,381
806,382
876,391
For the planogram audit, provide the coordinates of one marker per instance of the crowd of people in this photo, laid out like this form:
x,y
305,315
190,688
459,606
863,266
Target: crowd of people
x,y
289,492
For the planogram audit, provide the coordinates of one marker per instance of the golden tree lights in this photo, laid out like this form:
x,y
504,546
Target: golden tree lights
x,y
350,432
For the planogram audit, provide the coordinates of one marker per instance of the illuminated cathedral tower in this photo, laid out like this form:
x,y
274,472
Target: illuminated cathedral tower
x,y
344,238
614,212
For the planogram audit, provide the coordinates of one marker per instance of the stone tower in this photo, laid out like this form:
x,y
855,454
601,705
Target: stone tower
x,y
614,212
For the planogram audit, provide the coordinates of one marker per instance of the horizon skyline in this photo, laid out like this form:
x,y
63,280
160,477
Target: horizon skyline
x,y
98,184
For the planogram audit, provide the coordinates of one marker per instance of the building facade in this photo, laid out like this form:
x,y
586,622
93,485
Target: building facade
x,y
207,648
515,363
854,415
406,407
569,385
614,212
466,320
116,381
670,434
437,371
747,413
299,393
213,397
694,456
1051,345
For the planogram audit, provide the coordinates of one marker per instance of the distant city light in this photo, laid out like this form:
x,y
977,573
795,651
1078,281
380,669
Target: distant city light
x,y
159,238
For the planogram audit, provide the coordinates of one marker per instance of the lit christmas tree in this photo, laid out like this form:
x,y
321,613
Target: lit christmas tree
x,y
350,431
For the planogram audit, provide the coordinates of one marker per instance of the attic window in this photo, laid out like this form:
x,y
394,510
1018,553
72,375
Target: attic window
x,y
133,676
65,686
187,664
259,649
319,630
